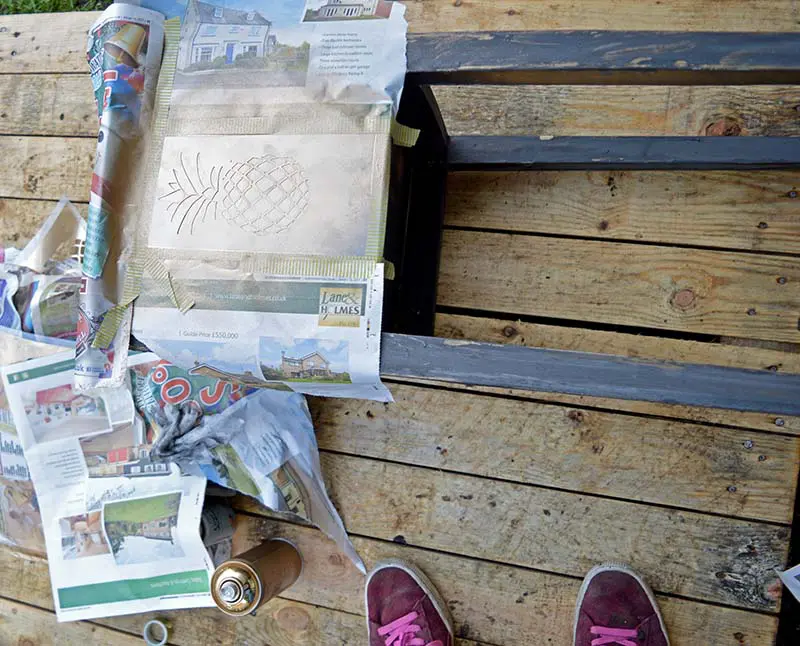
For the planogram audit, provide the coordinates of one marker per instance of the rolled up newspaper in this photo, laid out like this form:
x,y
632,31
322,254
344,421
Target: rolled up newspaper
x,y
124,49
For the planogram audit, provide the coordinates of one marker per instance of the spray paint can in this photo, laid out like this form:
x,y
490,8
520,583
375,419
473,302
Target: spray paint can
x,y
242,584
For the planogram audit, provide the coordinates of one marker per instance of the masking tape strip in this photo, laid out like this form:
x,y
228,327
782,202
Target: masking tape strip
x,y
160,274
113,318
133,284
403,135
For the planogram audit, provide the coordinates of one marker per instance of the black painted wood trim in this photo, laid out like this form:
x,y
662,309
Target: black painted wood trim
x,y
604,57
583,373
612,153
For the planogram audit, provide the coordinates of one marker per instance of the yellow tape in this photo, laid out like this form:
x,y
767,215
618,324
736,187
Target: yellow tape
x,y
403,135
113,318
159,273
140,263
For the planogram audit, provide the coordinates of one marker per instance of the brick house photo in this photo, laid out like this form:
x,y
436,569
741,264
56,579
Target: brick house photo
x,y
304,360
313,364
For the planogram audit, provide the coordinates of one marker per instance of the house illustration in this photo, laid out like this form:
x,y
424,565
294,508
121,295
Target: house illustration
x,y
210,32
313,364
350,10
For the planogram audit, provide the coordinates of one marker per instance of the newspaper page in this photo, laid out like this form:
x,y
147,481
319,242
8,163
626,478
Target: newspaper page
x,y
20,520
121,529
271,167
318,337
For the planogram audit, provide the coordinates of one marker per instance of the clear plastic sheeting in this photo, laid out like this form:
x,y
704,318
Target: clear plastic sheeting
x,y
263,446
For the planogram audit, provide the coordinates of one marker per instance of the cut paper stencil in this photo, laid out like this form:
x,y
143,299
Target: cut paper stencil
x,y
260,195
281,194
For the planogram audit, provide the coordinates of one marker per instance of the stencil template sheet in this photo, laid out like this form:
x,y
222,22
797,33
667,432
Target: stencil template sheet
x,y
272,154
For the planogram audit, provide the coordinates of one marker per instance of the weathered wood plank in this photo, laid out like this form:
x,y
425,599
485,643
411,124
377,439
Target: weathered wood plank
x,y
280,622
536,335
739,473
575,110
709,292
55,42
702,415
25,625
47,104
492,602
63,104
21,219
46,167
603,57
752,211
579,373
471,152
706,558
630,345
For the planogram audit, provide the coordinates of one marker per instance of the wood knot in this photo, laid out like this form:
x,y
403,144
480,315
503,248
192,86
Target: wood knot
x,y
725,127
293,619
336,561
509,331
683,299
576,416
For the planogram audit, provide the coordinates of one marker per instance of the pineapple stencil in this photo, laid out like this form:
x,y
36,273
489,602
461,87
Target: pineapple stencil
x,y
262,195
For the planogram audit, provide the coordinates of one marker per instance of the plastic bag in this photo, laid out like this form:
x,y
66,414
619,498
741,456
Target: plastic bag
x,y
263,446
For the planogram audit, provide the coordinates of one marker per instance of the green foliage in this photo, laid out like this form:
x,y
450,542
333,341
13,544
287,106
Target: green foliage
x,y
51,6
141,510
217,64
271,373
116,536
285,58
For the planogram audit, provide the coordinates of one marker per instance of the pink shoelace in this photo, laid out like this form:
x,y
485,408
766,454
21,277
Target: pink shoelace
x,y
401,632
617,636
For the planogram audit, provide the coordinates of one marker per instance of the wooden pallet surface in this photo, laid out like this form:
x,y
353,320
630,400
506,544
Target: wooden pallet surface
x,y
507,498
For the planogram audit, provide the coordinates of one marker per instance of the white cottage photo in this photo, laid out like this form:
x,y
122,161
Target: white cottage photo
x,y
222,46
221,32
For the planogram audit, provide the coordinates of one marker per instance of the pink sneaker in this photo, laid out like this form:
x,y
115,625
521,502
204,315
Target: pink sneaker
x,y
404,609
616,608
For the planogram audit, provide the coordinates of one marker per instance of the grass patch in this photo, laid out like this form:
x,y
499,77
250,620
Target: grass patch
x,y
51,6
